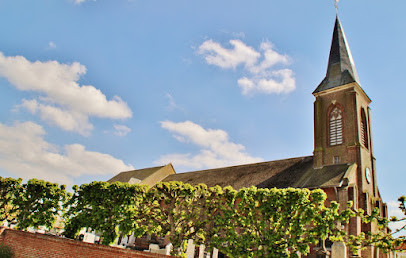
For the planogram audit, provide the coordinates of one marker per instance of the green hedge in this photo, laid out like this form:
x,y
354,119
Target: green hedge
x,y
250,222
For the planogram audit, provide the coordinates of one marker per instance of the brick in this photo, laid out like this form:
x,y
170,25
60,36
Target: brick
x,y
39,245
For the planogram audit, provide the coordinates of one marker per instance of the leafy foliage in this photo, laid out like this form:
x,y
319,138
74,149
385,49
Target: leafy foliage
x,y
181,211
108,208
250,222
8,190
254,222
270,222
382,238
38,203
6,251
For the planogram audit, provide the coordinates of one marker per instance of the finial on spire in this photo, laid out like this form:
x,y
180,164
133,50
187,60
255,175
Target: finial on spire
x,y
336,5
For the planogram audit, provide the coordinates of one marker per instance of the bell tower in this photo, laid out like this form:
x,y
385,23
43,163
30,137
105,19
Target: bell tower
x,y
342,132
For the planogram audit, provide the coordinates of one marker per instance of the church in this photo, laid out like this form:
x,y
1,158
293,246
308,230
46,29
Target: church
x,y
343,162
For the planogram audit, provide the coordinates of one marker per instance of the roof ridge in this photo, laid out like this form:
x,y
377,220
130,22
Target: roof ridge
x,y
247,164
141,169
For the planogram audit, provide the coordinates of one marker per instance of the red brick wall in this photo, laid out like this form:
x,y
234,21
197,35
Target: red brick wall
x,y
25,244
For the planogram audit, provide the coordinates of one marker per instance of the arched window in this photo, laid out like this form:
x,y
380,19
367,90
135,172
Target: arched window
x,y
364,129
336,126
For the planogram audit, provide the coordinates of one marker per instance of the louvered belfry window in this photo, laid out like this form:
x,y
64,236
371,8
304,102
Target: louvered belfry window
x,y
336,126
364,132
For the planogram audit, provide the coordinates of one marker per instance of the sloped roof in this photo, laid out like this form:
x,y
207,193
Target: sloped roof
x,y
293,172
303,175
341,69
402,247
140,174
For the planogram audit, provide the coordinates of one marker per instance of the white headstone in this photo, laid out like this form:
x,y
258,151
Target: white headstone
x,y
338,250
89,238
201,251
215,253
190,251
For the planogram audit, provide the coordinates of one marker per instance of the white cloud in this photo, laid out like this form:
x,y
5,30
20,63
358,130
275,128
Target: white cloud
x,y
217,55
78,2
121,130
67,120
171,103
26,154
238,34
279,81
216,148
394,210
262,77
61,95
233,34
271,58
51,44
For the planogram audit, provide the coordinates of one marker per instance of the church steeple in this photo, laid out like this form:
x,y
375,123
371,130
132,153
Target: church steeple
x,y
342,130
341,111
341,69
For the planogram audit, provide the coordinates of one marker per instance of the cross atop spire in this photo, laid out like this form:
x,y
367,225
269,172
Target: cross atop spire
x,y
341,68
336,5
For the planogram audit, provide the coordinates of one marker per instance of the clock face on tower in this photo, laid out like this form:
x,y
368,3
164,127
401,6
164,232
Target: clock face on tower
x,y
368,175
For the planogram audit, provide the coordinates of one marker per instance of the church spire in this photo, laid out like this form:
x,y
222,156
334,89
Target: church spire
x,y
341,68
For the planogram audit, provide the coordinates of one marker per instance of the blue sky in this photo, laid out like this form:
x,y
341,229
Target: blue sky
x,y
92,88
